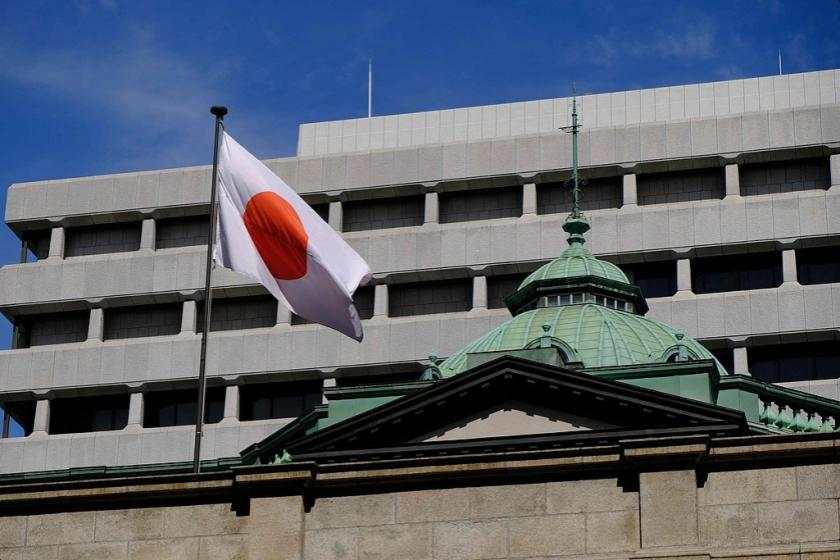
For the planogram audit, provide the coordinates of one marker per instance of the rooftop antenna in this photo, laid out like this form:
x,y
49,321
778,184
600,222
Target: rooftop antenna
x,y
780,62
573,129
370,87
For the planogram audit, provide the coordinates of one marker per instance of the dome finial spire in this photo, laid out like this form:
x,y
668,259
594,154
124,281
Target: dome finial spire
x,y
576,224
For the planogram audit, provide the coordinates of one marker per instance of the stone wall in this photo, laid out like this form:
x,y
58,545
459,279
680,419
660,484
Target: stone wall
x,y
786,512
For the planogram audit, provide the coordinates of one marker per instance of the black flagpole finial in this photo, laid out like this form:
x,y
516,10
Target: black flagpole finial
x,y
219,111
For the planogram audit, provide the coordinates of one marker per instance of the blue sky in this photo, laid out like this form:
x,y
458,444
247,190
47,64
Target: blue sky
x,y
90,87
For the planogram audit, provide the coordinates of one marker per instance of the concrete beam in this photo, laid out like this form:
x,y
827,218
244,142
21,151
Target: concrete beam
x,y
188,317
336,216
740,364
789,272
231,414
479,292
135,412
41,425
683,277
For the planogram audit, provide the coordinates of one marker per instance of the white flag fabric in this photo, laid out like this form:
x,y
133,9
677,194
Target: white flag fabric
x,y
269,233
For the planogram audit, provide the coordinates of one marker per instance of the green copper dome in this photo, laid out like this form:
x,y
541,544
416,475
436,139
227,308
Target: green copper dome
x,y
575,261
597,336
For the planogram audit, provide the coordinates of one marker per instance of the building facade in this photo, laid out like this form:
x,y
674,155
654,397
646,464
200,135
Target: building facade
x,y
720,201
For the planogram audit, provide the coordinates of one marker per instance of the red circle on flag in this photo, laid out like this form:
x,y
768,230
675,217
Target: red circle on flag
x,y
278,235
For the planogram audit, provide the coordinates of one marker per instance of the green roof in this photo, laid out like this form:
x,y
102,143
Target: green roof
x,y
598,336
576,261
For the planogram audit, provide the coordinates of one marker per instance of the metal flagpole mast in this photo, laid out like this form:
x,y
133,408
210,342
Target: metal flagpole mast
x,y
370,87
219,112
574,128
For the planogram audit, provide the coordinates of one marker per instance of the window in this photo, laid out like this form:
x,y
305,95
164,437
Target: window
x,y
383,213
556,198
88,414
655,279
422,298
729,273
786,176
278,400
363,299
820,265
186,231
323,210
802,361
381,379
37,243
177,408
230,314
102,239
725,356
52,328
143,320
465,206
500,287
16,418
681,186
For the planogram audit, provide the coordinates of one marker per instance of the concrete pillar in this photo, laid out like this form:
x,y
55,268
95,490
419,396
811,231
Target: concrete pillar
x,y
284,315
789,273
231,415
479,292
135,412
329,383
431,208
188,316
629,192
96,324
56,243
529,198
740,364
834,167
147,234
380,300
732,179
41,425
336,215
684,276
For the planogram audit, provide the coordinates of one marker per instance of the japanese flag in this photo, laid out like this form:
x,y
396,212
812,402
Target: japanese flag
x,y
266,231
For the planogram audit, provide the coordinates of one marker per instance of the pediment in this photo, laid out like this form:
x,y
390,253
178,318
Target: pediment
x,y
512,419
508,402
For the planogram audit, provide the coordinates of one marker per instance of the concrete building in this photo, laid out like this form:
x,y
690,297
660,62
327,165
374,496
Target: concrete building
x,y
720,200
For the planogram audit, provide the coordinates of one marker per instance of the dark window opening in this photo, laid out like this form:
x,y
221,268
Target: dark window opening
x,y
786,176
422,298
143,320
501,286
17,418
278,400
102,239
486,204
186,231
820,265
730,273
51,328
178,408
725,356
230,314
681,186
383,213
323,210
88,414
556,198
655,279
37,243
804,361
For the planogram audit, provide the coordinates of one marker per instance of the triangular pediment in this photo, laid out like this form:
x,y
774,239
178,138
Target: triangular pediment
x,y
515,418
506,402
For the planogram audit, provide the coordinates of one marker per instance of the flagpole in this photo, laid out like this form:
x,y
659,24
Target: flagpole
x,y
219,112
